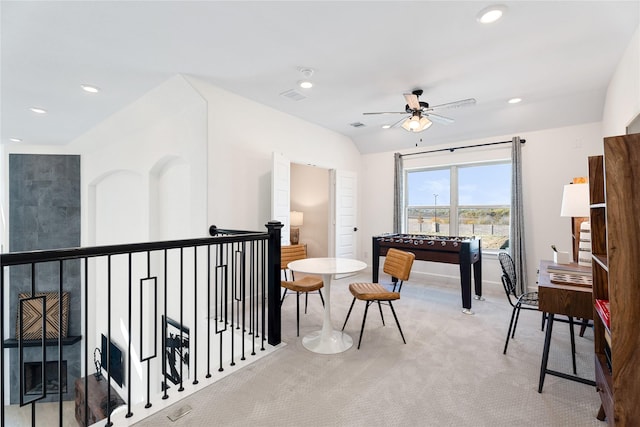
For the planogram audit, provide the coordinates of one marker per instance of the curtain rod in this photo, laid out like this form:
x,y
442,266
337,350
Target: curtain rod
x,y
451,149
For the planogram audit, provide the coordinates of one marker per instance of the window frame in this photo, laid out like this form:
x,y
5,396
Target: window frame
x,y
454,207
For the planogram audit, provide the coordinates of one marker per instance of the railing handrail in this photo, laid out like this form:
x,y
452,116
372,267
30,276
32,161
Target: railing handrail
x,y
238,271
17,258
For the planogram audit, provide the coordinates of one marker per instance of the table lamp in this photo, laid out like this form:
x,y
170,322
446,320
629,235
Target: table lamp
x,y
575,204
296,219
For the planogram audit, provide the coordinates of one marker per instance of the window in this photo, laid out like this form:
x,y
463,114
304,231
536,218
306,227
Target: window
x,y
460,200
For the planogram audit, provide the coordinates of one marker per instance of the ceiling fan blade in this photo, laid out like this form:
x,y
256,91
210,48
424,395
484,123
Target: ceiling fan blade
x,y
439,119
455,104
386,112
398,122
412,101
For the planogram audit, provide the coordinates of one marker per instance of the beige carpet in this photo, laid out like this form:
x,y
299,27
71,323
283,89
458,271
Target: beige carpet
x,y
451,372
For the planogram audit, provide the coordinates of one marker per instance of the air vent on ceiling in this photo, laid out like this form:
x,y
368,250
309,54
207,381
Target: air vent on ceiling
x,y
293,95
357,124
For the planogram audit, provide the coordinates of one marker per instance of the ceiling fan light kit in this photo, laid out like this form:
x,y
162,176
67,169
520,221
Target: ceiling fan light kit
x,y
416,123
421,115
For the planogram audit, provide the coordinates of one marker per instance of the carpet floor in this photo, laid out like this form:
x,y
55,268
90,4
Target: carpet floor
x,y
451,372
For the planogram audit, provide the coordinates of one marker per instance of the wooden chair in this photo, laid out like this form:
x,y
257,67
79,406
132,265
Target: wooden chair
x,y
305,284
397,264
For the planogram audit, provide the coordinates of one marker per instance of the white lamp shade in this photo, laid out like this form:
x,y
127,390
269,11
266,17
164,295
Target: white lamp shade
x,y
296,218
575,200
416,123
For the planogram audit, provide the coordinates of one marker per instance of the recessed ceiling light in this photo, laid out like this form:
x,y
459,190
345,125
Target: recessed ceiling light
x,y
90,89
514,100
386,126
491,14
38,110
305,84
15,140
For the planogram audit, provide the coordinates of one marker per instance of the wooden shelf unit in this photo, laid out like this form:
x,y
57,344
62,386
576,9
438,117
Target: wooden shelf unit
x,y
614,190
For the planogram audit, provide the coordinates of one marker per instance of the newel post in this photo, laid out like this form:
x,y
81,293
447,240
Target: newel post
x,y
273,282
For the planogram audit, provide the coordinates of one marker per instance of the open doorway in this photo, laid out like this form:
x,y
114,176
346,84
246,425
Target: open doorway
x,y
310,192
342,205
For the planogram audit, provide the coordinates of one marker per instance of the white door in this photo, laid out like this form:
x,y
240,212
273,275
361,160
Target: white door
x,y
344,186
280,194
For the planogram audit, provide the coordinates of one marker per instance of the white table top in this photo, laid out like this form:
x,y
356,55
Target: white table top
x,y
327,265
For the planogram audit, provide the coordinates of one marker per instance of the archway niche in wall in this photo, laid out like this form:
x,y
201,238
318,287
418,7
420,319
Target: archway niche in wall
x,y
170,200
310,195
118,203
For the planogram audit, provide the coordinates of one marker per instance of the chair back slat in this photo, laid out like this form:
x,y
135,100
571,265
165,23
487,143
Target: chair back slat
x,y
291,253
398,264
509,279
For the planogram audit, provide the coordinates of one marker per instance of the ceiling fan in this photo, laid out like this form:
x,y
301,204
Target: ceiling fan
x,y
421,114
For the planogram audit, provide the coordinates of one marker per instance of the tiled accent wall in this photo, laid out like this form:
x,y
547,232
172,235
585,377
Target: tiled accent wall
x,y
44,213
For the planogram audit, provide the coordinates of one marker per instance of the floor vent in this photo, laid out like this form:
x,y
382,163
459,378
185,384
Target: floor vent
x,y
179,413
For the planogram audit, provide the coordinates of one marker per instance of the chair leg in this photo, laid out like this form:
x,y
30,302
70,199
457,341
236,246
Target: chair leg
x,y
321,298
348,314
306,301
506,343
544,319
573,344
283,295
381,315
364,319
515,325
298,313
397,322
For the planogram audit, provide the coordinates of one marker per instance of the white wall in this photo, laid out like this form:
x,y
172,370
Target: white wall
x,y
143,179
623,95
242,136
182,157
551,158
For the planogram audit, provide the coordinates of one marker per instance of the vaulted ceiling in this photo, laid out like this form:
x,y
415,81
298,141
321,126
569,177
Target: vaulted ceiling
x,y
558,56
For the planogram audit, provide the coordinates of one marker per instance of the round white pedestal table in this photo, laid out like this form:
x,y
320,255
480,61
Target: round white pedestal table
x,y
327,340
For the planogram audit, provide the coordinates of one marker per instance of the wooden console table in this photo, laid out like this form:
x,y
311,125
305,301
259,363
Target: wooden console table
x,y
96,399
566,299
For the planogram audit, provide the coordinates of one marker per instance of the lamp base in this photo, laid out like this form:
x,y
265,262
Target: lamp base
x,y
294,235
576,224
584,249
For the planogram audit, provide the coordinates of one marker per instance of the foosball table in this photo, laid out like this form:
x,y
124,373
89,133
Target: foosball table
x,y
464,251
